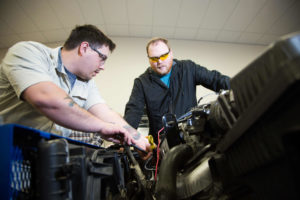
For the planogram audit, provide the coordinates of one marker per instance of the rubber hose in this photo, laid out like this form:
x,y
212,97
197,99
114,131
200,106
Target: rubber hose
x,y
172,161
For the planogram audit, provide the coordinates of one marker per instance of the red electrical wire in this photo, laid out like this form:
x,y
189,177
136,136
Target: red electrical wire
x,y
157,156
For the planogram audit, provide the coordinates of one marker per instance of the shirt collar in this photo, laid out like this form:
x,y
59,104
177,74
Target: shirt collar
x,y
55,56
60,66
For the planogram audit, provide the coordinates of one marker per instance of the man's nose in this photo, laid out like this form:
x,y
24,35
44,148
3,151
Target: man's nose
x,y
101,67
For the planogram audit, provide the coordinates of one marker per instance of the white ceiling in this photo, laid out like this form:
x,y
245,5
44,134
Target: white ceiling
x,y
235,21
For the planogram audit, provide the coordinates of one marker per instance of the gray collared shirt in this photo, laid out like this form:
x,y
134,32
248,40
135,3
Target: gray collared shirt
x,y
26,64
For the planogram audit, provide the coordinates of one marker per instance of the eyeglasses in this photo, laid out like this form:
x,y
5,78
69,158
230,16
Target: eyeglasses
x,y
101,55
162,57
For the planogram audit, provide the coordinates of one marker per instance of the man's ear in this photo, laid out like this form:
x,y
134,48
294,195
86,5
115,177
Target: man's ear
x,y
83,48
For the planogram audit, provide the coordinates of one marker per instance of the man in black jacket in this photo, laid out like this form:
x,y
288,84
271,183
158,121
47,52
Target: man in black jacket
x,y
168,86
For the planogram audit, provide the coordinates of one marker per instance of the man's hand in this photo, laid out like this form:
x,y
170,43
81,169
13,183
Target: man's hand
x,y
143,143
116,134
138,139
149,150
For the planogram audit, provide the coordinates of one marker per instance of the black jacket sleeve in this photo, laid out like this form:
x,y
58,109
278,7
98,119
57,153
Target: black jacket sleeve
x,y
213,79
135,106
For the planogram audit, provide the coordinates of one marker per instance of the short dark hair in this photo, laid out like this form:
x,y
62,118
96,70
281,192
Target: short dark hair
x,y
155,40
89,33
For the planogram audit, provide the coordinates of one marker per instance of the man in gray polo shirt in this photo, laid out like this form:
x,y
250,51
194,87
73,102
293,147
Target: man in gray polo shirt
x,y
52,89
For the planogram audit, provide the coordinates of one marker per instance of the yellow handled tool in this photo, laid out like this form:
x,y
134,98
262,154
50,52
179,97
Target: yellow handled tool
x,y
151,141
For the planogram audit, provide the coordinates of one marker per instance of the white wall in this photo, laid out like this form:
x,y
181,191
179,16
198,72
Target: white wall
x,y
129,61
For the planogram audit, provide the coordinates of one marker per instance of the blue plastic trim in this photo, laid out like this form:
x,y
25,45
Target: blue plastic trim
x,y
6,145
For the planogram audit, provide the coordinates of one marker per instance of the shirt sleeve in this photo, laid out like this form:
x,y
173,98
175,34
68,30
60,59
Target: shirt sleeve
x,y
24,65
211,79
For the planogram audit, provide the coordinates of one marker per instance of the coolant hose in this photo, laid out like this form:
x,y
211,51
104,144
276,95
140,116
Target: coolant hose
x,y
172,161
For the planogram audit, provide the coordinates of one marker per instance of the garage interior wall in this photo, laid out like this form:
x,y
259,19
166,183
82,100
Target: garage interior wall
x,y
129,60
